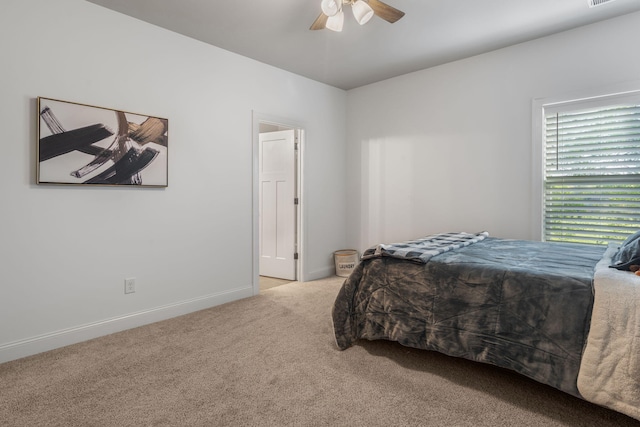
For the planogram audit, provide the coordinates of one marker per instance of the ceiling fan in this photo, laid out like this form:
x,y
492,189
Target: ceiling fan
x,y
332,16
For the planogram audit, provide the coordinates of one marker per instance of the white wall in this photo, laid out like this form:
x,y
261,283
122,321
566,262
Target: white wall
x,y
65,251
449,148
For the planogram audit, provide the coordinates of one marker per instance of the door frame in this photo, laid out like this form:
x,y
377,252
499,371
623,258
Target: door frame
x,y
256,120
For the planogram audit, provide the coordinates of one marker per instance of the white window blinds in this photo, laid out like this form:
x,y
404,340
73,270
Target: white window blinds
x,y
592,173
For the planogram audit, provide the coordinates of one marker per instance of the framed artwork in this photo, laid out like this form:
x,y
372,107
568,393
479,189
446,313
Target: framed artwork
x,y
87,145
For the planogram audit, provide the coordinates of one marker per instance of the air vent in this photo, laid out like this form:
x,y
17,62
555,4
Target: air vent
x,y
594,3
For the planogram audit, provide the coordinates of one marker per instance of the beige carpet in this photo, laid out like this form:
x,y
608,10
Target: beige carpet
x,y
270,360
271,282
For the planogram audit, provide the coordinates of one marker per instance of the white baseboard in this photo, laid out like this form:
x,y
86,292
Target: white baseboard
x,y
320,274
30,346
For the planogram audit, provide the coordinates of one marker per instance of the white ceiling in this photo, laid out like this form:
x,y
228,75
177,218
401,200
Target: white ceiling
x,y
432,32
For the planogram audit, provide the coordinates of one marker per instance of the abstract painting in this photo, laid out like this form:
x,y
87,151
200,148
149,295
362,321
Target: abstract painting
x,y
83,144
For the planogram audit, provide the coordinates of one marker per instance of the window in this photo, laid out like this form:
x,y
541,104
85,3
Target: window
x,y
591,167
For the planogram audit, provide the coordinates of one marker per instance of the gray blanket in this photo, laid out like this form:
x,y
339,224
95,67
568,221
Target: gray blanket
x,y
521,305
422,250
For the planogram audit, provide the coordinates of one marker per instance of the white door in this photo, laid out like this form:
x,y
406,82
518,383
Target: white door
x,y
277,212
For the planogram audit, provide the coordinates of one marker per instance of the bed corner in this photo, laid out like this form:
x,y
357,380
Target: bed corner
x,y
610,369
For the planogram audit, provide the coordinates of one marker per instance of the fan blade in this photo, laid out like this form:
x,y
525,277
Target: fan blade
x,y
320,22
386,12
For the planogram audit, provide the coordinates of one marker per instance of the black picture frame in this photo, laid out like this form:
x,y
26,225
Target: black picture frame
x,y
81,144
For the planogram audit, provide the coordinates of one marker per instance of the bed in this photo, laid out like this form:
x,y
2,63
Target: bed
x,y
546,310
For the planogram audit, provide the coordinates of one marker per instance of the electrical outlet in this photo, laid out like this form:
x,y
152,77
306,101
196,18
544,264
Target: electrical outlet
x,y
129,285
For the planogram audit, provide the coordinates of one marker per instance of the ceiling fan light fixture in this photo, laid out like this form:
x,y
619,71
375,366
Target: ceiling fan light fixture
x,y
335,22
332,16
362,12
331,7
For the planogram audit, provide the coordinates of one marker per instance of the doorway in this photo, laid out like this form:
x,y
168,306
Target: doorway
x,y
277,201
